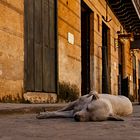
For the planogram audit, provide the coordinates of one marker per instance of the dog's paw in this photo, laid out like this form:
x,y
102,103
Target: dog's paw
x,y
41,115
114,118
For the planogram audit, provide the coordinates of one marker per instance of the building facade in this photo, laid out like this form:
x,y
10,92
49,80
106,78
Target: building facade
x,y
88,45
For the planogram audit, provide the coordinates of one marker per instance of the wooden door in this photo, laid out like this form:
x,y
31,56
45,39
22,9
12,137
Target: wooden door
x,y
40,45
106,86
85,48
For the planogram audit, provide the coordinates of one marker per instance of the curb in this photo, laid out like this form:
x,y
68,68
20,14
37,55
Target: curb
x,y
10,109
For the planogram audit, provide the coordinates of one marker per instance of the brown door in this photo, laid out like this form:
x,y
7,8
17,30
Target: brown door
x,y
85,48
105,59
40,45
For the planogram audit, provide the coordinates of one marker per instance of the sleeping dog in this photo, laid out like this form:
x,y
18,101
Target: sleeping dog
x,y
93,107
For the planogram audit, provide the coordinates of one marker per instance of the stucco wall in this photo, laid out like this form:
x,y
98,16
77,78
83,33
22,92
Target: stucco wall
x,y
69,55
99,7
11,48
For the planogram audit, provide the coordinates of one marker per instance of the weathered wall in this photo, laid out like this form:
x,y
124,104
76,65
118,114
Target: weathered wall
x,y
11,48
99,8
69,55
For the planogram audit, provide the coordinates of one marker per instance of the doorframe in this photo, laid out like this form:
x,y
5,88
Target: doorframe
x,y
56,45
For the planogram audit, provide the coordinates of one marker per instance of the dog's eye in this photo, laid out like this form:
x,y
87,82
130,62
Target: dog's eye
x,y
87,108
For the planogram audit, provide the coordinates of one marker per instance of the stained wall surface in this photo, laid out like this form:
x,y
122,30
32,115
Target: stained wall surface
x,y
69,51
11,48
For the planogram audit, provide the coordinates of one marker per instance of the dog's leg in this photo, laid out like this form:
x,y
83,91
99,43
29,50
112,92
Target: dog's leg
x,y
55,114
70,106
114,118
66,112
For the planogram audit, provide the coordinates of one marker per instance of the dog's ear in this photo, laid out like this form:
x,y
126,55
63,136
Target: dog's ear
x,y
92,92
94,97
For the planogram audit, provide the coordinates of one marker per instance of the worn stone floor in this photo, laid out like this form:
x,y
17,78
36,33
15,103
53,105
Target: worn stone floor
x,y
27,127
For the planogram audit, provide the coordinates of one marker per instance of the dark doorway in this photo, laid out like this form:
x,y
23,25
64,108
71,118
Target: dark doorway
x,y
121,63
123,83
125,87
40,45
134,76
85,48
105,59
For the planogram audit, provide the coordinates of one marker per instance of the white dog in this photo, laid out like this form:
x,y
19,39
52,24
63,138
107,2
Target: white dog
x,y
93,107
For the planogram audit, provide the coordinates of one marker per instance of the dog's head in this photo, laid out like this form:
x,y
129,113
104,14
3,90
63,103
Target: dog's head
x,y
86,113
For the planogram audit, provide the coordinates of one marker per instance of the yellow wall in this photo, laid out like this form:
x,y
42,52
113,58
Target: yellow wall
x,y
99,7
69,54
11,47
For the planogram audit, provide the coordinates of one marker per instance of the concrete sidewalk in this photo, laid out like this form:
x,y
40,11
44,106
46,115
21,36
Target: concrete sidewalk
x,y
13,108
27,127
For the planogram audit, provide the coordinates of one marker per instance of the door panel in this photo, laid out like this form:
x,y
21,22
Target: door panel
x,y
85,48
105,59
29,45
40,46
